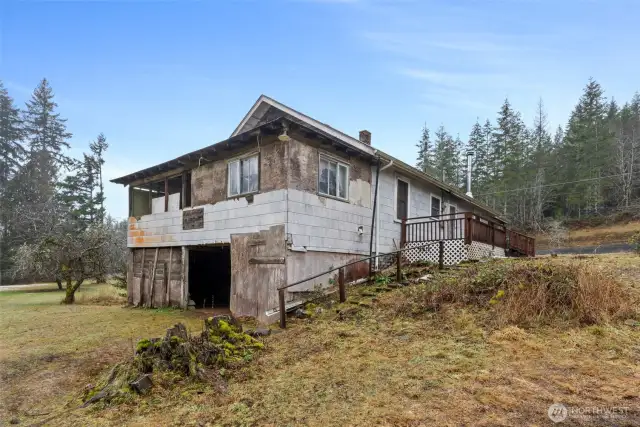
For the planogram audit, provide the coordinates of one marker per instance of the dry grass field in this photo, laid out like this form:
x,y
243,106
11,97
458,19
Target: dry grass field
x,y
382,362
593,236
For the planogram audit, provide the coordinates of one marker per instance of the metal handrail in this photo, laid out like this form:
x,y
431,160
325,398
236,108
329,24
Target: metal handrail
x,y
354,262
340,269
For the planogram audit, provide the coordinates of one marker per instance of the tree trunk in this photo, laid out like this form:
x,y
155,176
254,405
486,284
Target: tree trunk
x,y
59,283
70,295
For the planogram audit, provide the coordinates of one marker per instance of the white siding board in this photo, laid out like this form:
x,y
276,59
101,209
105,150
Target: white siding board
x,y
324,224
220,221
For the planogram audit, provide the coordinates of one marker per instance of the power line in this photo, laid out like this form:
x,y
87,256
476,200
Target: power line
x,y
560,183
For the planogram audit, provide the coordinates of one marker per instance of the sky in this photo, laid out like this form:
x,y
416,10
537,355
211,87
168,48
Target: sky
x,y
162,78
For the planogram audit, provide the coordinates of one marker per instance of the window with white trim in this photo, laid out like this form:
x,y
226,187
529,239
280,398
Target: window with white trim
x,y
402,199
333,178
243,176
435,206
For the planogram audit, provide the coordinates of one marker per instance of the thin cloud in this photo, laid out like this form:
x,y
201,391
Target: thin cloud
x,y
457,80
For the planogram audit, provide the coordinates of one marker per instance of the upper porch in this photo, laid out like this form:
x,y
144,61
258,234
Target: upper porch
x,y
466,235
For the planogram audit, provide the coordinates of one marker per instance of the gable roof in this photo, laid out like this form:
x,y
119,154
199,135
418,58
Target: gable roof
x,y
265,108
259,112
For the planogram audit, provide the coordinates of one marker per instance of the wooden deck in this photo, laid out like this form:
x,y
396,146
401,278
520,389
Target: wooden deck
x,y
469,227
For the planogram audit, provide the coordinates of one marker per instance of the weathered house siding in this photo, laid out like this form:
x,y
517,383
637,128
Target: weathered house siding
x,y
258,269
221,220
420,194
324,231
325,224
286,220
166,278
209,182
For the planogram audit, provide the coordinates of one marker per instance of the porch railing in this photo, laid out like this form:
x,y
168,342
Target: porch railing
x,y
468,226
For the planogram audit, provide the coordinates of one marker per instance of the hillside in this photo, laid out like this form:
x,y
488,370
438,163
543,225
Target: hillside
x,y
439,353
586,235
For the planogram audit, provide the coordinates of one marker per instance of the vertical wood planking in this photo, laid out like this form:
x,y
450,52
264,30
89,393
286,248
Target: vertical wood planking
x,y
183,278
153,277
168,282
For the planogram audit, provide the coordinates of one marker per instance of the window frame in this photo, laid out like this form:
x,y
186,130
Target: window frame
x,y
395,197
431,206
339,162
238,159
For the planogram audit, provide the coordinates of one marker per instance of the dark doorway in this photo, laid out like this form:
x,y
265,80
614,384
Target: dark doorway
x,y
210,276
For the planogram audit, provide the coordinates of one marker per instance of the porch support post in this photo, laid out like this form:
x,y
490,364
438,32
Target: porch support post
x,y
166,194
468,226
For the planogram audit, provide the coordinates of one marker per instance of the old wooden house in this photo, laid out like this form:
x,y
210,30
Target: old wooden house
x,y
283,198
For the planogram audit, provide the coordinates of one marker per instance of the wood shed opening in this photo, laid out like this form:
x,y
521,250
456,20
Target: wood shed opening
x,y
210,276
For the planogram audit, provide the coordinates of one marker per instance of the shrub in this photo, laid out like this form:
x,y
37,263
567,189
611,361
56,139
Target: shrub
x,y
525,293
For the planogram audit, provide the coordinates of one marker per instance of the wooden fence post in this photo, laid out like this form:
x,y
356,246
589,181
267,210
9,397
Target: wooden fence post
x,y
441,254
283,311
398,267
341,286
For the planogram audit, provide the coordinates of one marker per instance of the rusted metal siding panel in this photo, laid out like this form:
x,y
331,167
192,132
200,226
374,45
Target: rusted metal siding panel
x,y
254,285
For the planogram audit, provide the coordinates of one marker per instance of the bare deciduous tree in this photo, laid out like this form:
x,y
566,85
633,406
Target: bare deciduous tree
x,y
67,249
558,234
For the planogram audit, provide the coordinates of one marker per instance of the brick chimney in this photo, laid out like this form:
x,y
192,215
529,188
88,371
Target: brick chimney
x,y
365,137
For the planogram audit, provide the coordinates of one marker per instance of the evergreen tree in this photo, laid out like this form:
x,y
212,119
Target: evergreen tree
x,y
11,156
47,136
11,134
445,158
76,191
540,137
480,163
558,138
460,162
424,162
587,151
98,147
510,150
